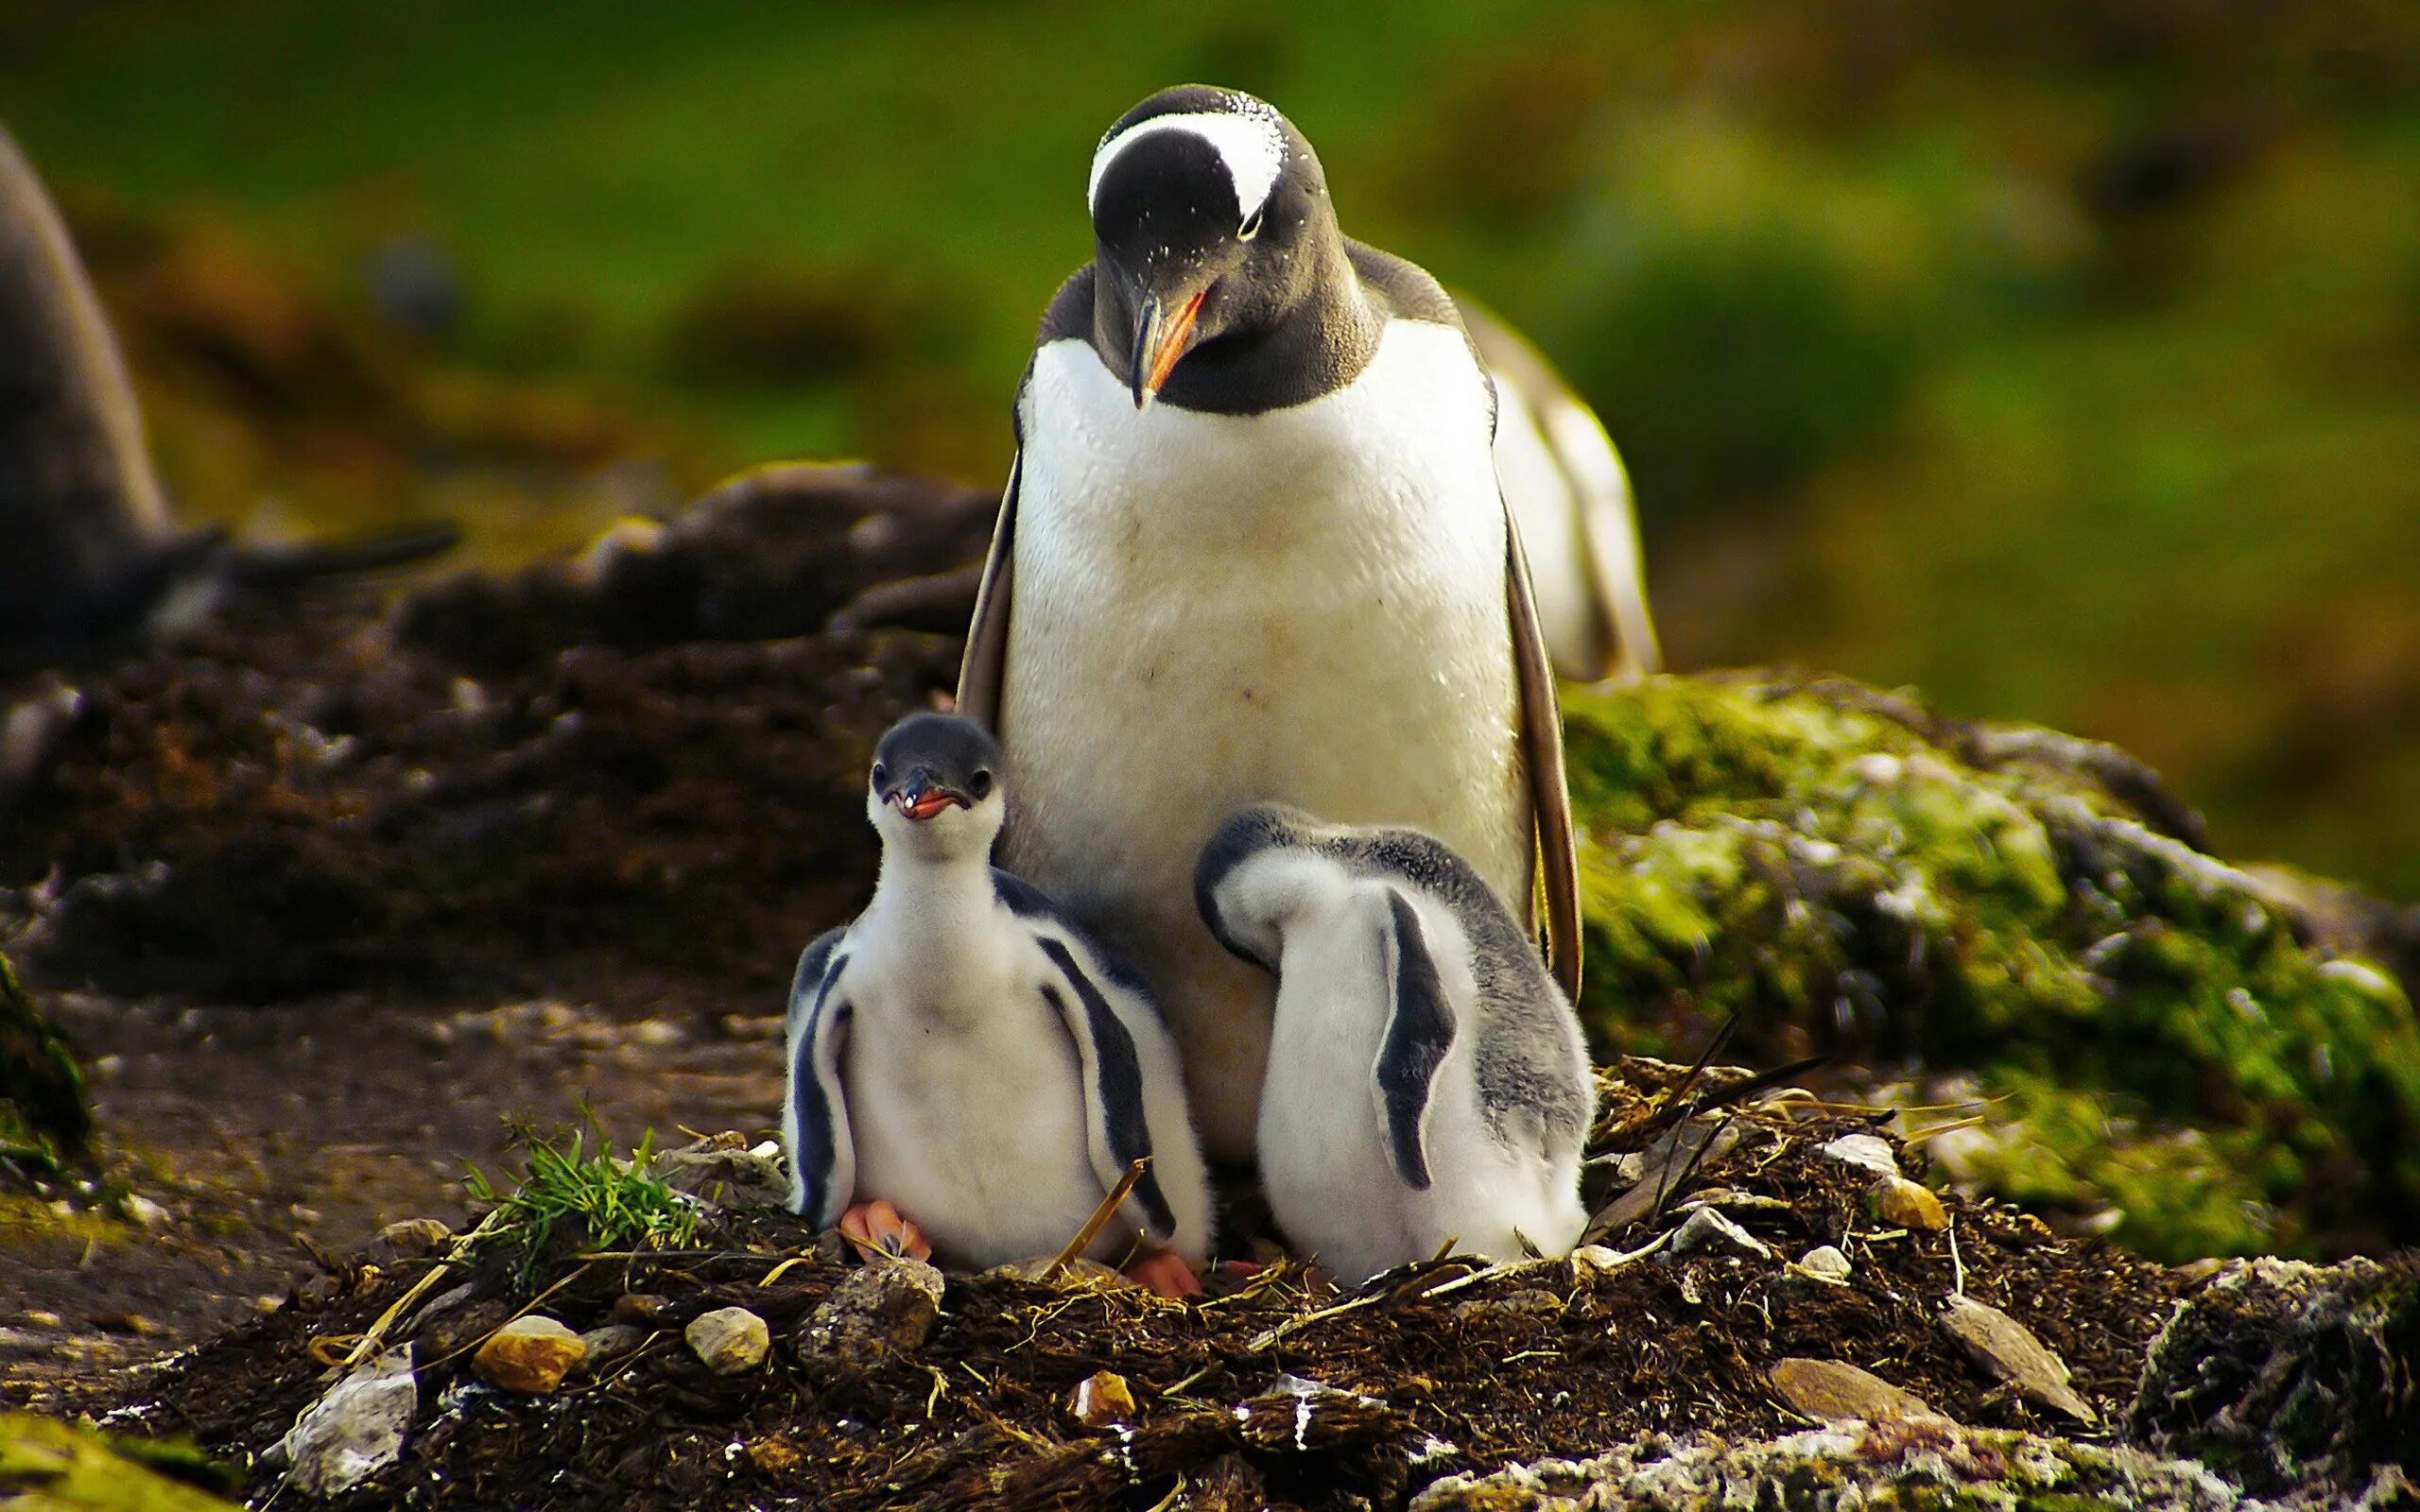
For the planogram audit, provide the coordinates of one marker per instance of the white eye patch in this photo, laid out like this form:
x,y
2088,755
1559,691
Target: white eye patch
x,y
1249,142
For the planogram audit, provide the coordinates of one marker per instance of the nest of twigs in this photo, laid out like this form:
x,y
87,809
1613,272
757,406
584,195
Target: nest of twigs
x,y
1282,1389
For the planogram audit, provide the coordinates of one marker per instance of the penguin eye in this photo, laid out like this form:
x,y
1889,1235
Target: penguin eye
x,y
980,785
881,774
1250,228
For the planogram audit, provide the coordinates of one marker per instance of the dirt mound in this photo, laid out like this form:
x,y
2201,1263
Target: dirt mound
x,y
1282,1390
642,765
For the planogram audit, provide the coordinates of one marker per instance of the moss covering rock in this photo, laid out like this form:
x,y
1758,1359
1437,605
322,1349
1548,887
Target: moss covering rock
x,y
2293,1378
1920,1465
2162,1043
42,1115
51,1467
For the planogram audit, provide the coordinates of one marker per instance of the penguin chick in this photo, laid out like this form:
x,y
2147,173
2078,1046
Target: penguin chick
x,y
965,1052
1426,1078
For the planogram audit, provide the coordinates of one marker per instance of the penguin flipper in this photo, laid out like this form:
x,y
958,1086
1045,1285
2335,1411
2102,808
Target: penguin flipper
x,y
984,672
1542,756
815,1125
1420,1029
1117,1128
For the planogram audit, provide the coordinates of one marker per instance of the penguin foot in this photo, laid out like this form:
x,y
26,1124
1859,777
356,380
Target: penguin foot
x,y
879,1229
1165,1272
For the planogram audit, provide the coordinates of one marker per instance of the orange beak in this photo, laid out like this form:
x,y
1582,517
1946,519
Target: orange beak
x,y
922,804
1159,342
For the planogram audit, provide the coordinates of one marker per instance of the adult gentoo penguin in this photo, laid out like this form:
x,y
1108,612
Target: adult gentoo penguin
x,y
1254,548
964,1064
1427,1082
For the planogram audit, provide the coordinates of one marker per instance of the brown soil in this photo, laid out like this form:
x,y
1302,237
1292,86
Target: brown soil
x,y
263,1131
615,778
1552,1359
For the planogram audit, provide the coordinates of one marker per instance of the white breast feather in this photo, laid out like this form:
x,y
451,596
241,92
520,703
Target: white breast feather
x,y
1307,606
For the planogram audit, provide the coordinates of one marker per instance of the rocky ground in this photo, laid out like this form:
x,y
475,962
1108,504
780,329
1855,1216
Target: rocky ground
x,y
326,893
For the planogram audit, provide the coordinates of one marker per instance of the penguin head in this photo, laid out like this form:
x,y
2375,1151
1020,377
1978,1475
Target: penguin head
x,y
936,787
1210,213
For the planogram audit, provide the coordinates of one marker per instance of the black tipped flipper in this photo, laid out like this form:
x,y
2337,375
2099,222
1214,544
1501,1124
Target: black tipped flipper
x,y
983,672
1120,1129
1419,1032
823,1156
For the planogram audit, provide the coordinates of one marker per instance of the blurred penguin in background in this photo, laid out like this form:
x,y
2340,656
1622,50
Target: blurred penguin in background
x,y
1568,489
87,552
90,561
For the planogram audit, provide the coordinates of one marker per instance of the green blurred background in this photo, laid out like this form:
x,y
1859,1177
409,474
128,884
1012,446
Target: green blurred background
x,y
2059,357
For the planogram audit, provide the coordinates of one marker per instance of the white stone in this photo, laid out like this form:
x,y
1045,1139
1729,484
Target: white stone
x,y
1871,1151
730,1340
357,1429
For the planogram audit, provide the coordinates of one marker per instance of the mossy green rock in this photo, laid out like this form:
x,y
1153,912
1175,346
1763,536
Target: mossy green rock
x,y
43,1113
2292,1379
51,1467
1922,1465
1840,868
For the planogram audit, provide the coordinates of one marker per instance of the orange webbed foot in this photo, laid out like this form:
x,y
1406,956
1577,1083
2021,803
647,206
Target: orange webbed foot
x,y
878,1228
1165,1272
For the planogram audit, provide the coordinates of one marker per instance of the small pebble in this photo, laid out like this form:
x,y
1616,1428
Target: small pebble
x,y
1871,1151
1832,1389
411,1238
775,1456
2008,1349
147,1212
729,1339
889,1305
1103,1398
1826,1261
1708,1230
612,1342
356,1430
1909,1204
638,1307
530,1355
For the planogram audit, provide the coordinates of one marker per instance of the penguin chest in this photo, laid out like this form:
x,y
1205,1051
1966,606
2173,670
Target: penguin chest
x,y
973,1128
1306,605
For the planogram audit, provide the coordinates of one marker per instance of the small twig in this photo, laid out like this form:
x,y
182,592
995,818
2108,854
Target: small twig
x,y
1957,1267
1697,1069
783,1269
419,1288
1938,1129
1099,1220
1674,1176
526,1308
1169,1501
1178,1389
1458,1282
1762,1081
587,1255
1295,1325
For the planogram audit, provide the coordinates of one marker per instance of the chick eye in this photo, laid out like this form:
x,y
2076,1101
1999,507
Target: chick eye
x,y
881,774
1250,228
980,785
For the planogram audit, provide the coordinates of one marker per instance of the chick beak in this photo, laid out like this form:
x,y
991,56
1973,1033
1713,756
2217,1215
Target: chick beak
x,y
920,801
1160,339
